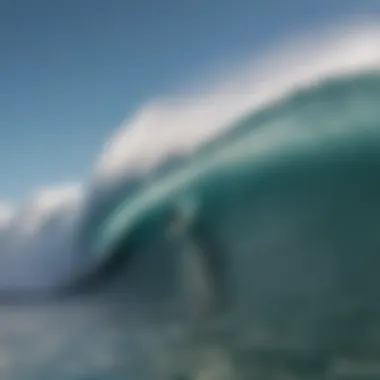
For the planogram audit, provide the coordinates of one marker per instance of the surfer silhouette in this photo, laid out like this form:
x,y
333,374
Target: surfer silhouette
x,y
199,263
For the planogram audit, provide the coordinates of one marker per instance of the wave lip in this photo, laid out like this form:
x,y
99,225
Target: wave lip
x,y
177,127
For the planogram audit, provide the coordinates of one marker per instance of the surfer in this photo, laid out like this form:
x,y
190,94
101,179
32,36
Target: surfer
x,y
199,261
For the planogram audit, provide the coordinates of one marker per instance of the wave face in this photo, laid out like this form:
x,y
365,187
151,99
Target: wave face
x,y
291,197
321,129
288,197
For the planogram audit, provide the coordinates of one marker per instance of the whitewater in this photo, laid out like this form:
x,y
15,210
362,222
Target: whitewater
x,y
303,119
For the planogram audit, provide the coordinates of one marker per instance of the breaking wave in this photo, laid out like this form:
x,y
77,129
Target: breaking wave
x,y
313,92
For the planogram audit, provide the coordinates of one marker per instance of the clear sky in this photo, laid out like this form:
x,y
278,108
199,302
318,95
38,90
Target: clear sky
x,y
71,70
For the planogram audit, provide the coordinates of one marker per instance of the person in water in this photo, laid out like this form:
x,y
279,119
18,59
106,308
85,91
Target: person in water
x,y
199,261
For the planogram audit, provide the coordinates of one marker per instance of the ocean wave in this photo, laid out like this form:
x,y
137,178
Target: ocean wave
x,y
335,120
171,133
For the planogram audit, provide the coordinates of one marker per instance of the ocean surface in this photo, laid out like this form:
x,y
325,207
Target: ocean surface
x,y
291,196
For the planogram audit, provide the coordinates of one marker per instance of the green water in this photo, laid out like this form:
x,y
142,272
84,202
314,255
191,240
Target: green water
x,y
291,198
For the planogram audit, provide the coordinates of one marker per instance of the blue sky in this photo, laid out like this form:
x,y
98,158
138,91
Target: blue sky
x,y
72,70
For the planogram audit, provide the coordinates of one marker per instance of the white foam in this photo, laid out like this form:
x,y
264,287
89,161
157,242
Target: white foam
x,y
170,127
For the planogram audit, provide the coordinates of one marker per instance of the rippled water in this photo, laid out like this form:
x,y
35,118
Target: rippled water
x,y
77,341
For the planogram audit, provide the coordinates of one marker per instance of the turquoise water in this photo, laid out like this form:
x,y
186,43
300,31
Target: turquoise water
x,y
332,124
290,197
